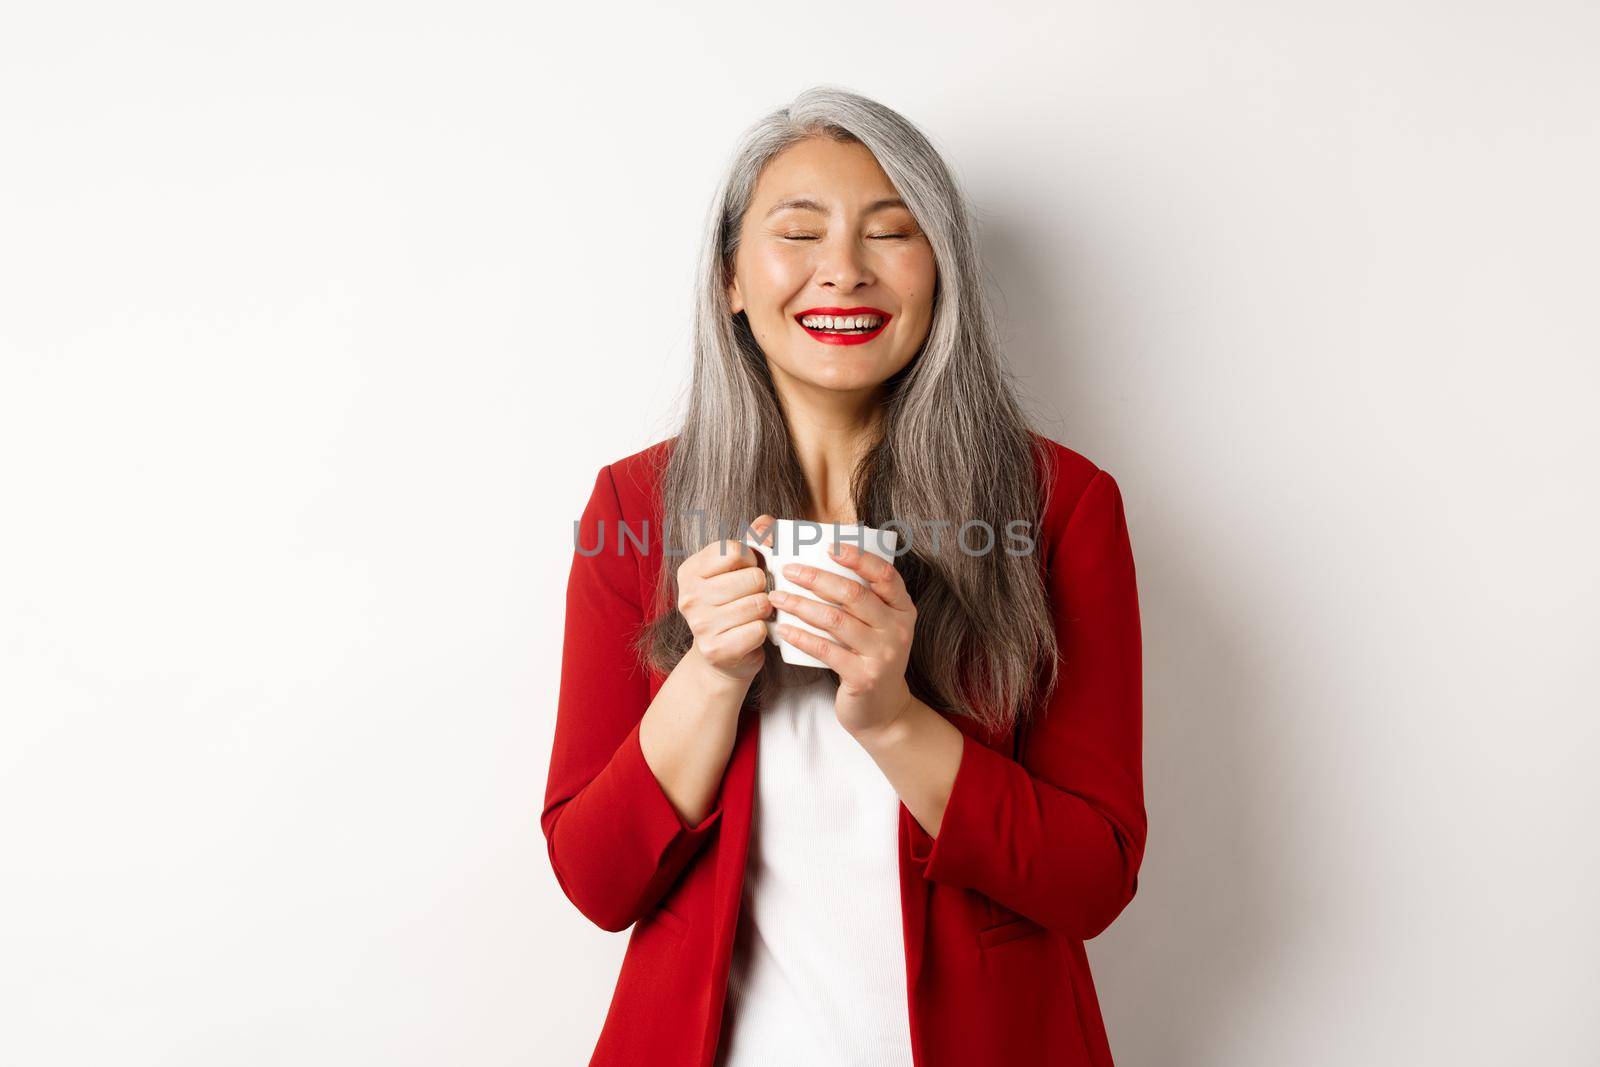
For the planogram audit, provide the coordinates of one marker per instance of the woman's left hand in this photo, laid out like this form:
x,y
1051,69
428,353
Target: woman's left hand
x,y
871,630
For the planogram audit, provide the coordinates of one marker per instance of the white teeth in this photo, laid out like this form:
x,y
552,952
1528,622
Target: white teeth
x,y
841,322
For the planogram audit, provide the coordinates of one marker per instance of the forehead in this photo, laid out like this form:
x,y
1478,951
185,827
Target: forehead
x,y
825,176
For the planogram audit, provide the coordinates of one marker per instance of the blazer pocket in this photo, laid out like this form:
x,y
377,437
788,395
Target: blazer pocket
x,y
669,923
1010,930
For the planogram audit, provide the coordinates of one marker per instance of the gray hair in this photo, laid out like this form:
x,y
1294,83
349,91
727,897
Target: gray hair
x,y
952,442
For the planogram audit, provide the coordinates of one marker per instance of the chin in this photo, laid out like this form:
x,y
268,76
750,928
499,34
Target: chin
x,y
846,383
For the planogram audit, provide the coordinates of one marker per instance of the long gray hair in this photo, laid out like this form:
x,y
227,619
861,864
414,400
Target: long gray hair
x,y
953,442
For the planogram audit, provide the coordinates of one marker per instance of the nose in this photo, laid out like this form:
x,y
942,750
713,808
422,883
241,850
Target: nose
x,y
843,266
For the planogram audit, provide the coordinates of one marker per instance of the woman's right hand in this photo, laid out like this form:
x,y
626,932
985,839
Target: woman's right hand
x,y
722,593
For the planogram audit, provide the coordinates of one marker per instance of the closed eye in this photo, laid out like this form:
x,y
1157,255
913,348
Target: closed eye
x,y
876,237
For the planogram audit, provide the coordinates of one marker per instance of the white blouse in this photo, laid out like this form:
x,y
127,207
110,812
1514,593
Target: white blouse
x,y
819,967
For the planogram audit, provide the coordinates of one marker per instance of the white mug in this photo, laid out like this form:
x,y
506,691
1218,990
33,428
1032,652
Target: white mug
x,y
787,536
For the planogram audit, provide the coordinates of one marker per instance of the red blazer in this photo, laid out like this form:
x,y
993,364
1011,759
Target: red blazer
x,y
1038,852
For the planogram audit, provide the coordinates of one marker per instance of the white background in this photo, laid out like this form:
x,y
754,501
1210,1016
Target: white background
x,y
317,321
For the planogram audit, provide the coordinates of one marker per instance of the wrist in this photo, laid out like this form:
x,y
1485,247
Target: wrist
x,y
894,732
712,680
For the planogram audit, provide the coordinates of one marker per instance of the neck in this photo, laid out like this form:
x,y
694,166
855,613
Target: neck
x,y
831,434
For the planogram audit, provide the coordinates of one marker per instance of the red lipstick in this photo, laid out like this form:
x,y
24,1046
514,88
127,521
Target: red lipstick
x,y
844,338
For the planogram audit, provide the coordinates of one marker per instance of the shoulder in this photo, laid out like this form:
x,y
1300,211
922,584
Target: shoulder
x,y
1064,476
637,478
1073,485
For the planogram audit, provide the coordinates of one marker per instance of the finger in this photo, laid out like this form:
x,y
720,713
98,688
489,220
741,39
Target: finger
x,y
737,641
859,600
763,531
738,612
731,585
845,628
834,656
763,528
731,555
879,573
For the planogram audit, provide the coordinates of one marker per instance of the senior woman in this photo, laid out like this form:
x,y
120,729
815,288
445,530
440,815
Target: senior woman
x,y
896,859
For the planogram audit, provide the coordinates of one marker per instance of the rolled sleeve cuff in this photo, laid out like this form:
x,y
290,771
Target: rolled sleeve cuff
x,y
659,826
966,833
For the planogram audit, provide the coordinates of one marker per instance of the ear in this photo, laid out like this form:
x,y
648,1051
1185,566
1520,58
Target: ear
x,y
735,300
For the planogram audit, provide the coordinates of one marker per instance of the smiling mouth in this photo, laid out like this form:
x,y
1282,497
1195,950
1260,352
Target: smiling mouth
x,y
843,324
847,325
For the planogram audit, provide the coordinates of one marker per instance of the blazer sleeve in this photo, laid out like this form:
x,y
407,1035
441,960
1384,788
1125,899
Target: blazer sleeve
x,y
616,843
1058,834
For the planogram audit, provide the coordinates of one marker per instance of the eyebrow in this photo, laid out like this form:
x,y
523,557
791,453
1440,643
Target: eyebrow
x,y
805,203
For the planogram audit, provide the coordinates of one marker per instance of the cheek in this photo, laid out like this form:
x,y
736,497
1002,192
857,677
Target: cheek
x,y
914,276
776,273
